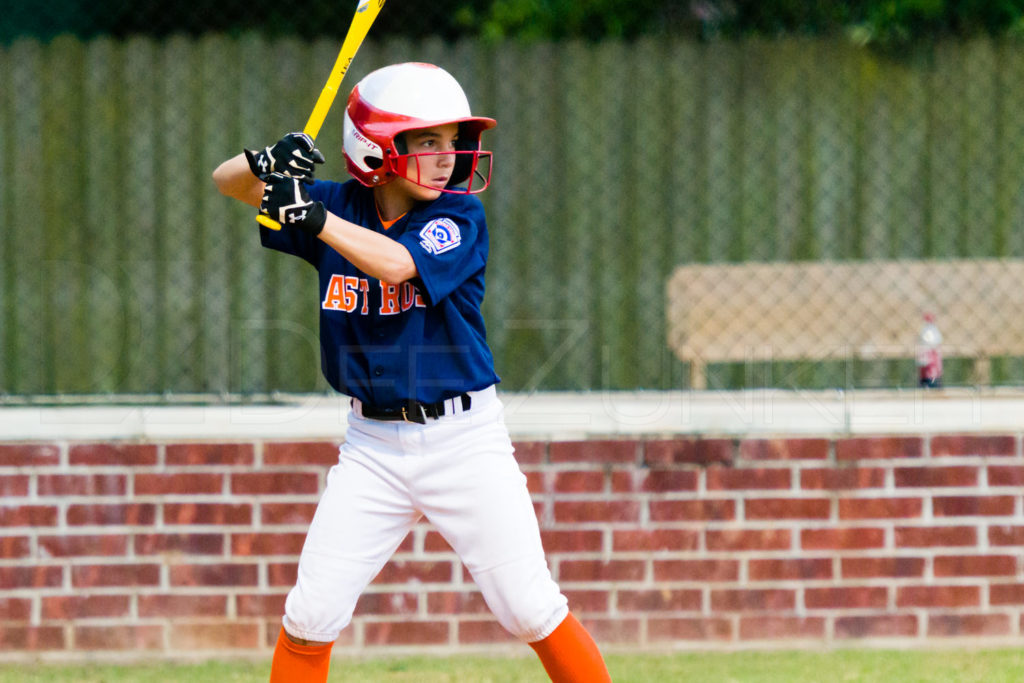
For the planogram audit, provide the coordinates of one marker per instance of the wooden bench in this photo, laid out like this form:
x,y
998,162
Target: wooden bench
x,y
843,310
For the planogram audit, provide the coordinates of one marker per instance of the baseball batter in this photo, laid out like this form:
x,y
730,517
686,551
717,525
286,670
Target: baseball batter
x,y
400,252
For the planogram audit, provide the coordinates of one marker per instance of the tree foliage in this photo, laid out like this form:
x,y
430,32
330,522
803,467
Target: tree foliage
x,y
883,22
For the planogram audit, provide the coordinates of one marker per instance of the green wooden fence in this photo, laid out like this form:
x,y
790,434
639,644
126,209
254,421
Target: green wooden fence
x,y
123,271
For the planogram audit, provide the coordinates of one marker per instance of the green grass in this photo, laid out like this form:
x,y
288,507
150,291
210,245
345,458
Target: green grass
x,y
842,666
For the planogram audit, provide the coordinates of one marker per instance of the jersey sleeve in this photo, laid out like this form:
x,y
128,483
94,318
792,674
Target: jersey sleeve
x,y
294,241
448,248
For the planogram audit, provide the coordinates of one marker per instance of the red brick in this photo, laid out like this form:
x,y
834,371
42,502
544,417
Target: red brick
x,y
179,605
538,482
182,484
876,626
938,596
936,476
842,478
434,542
74,607
594,452
210,454
696,570
260,605
880,508
953,625
244,545
659,481
287,513
476,632
234,635
693,629
398,571
531,452
659,600
577,481
614,630
1006,475
455,602
14,486
83,546
689,452
692,510
722,478
267,483
214,575
853,597
745,600
868,448
588,601
787,508
881,567
572,540
112,454
936,536
120,637
219,514
82,484
187,544
597,570
848,538
742,540
652,540
29,455
973,445
611,510
1006,535
392,603
776,628
135,514
15,609
790,569
1006,594
28,515
975,565
282,573
31,638
784,449
973,506
323,453
31,577
14,547
405,633
91,576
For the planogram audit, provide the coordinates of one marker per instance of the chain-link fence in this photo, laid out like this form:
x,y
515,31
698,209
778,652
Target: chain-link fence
x,y
123,271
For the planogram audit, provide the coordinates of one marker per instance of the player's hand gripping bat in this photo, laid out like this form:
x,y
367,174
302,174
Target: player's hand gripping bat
x,y
366,13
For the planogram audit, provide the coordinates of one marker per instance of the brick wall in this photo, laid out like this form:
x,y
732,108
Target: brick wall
x,y
164,548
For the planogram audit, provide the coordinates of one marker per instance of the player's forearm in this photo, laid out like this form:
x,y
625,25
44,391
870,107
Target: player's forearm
x,y
234,179
375,254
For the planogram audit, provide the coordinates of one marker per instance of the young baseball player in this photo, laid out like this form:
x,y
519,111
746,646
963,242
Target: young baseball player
x,y
400,251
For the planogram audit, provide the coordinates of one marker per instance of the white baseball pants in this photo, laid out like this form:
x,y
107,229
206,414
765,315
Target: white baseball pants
x,y
459,472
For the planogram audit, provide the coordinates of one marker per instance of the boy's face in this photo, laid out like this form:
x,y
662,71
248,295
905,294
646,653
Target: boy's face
x,y
426,176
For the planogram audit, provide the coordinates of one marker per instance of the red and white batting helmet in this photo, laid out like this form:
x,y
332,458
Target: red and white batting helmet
x,y
402,97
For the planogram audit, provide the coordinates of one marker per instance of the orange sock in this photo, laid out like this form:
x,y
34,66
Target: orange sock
x,y
570,655
294,663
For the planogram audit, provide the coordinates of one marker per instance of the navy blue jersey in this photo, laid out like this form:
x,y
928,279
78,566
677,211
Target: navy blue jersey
x,y
423,339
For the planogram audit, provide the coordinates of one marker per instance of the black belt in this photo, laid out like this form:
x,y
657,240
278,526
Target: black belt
x,y
412,411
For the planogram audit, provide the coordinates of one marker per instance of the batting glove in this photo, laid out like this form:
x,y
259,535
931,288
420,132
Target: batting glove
x,y
285,200
294,155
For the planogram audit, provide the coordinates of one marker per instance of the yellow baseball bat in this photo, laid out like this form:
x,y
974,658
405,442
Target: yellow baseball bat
x,y
366,13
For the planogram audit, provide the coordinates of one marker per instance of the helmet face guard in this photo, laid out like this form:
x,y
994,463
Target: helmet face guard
x,y
405,97
472,165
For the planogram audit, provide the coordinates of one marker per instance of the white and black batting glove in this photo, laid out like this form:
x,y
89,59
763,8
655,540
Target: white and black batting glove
x,y
287,202
295,155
